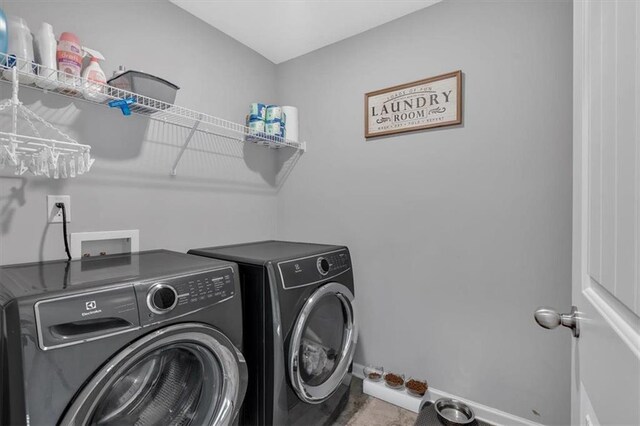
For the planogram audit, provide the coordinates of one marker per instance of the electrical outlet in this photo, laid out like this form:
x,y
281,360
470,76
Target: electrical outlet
x,y
54,214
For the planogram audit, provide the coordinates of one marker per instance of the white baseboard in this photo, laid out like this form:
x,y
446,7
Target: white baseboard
x,y
358,370
404,400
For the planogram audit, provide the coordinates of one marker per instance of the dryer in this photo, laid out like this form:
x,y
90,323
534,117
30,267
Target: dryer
x,y
300,329
147,338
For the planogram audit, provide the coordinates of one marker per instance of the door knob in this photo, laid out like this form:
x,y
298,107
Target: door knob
x,y
549,318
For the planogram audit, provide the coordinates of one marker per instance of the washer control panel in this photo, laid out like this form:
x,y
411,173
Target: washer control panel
x,y
178,296
309,270
95,314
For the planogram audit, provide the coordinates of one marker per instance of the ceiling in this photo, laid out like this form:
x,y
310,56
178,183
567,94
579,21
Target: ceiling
x,y
284,29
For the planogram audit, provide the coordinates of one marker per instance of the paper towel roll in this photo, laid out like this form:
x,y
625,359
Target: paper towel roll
x,y
292,122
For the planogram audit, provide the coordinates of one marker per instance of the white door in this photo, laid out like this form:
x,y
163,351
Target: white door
x,y
606,212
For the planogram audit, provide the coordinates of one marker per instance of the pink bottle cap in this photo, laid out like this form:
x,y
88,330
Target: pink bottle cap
x,y
69,37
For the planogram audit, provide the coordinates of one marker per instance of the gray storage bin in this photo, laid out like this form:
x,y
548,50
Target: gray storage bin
x,y
146,85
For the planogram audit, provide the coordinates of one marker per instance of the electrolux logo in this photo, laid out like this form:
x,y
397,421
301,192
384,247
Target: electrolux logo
x,y
91,306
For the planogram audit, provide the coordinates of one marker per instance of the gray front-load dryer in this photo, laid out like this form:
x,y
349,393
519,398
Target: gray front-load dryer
x,y
300,329
152,338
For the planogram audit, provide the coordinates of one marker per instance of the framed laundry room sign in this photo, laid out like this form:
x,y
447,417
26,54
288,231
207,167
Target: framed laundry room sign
x,y
422,104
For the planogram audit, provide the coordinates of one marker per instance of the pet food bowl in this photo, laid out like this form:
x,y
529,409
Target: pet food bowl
x,y
373,373
412,392
394,385
452,412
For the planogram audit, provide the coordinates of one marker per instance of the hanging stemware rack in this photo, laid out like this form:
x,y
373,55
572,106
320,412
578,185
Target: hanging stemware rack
x,y
54,81
39,155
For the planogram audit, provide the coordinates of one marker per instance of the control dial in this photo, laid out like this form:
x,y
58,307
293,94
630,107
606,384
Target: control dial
x,y
162,298
323,265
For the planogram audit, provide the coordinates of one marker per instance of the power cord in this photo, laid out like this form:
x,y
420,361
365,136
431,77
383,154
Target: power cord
x,y
64,228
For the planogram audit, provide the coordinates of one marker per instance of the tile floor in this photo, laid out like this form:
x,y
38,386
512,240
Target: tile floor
x,y
363,410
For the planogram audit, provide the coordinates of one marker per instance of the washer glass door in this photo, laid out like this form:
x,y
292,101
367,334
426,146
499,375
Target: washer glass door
x,y
323,343
184,374
165,387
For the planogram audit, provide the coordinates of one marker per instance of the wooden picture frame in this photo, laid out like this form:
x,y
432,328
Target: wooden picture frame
x,y
423,104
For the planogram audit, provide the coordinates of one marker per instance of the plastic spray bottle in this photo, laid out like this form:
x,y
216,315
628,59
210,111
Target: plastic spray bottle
x,y
94,77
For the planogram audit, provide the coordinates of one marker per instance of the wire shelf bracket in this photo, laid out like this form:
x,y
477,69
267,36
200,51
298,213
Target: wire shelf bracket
x,y
185,145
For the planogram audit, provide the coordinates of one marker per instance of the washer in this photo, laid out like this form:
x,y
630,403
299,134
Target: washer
x,y
147,338
300,329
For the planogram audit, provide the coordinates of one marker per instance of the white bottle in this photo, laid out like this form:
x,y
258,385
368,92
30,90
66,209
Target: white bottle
x,y
20,51
291,113
94,82
45,54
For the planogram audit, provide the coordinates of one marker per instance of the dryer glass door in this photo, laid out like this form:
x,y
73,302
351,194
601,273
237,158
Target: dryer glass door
x,y
188,374
323,343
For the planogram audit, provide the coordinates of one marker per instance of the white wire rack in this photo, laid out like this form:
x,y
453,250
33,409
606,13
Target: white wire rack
x,y
41,156
68,85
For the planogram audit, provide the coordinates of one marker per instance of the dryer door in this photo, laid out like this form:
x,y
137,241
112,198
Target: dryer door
x,y
323,343
184,374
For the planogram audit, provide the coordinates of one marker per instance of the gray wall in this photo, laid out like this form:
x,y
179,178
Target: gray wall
x,y
223,193
457,234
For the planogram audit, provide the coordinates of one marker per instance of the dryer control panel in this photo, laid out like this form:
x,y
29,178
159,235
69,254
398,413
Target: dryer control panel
x,y
162,300
313,269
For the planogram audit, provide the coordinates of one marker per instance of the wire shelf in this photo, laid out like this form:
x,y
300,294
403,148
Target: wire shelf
x,y
54,81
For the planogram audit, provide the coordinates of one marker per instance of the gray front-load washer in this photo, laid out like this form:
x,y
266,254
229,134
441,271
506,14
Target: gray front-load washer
x,y
152,338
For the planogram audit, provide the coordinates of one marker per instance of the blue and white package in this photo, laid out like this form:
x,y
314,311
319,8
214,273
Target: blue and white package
x,y
257,111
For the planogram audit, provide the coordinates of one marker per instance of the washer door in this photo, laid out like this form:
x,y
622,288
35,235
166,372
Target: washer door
x,y
184,374
323,343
